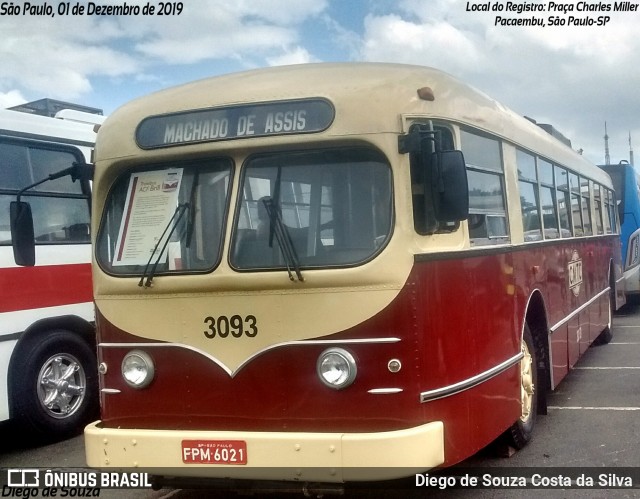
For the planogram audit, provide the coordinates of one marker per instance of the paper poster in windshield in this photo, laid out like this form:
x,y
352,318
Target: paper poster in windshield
x,y
151,202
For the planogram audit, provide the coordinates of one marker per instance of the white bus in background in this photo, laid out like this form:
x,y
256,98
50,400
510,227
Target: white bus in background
x,y
47,336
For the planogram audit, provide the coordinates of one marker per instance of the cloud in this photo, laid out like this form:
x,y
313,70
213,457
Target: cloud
x,y
11,98
280,12
224,30
58,63
393,39
231,42
61,57
574,77
298,55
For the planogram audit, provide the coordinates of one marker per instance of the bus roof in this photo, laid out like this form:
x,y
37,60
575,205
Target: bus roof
x,y
51,107
68,130
368,98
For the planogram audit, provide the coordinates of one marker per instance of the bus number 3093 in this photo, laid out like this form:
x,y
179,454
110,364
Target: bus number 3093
x,y
235,326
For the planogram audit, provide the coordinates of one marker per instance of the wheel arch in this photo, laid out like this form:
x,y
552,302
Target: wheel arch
x,y
536,318
82,328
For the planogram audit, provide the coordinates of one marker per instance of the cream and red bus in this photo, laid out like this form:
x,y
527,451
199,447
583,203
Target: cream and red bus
x,y
48,378
337,272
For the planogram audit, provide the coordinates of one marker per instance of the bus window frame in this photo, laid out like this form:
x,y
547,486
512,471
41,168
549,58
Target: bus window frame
x,y
483,215
382,158
197,165
40,192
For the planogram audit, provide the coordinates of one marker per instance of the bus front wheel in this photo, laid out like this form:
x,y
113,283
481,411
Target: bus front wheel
x,y
521,431
55,385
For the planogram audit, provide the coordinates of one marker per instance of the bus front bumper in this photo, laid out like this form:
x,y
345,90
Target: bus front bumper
x,y
321,457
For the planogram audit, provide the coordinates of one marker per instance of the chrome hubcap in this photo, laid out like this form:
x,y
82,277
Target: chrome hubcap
x,y
62,385
527,388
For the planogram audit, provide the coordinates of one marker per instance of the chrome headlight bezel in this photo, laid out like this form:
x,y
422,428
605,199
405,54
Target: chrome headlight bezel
x,y
336,368
138,369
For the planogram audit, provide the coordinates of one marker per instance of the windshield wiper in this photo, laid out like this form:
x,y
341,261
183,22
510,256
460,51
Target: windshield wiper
x,y
281,233
177,215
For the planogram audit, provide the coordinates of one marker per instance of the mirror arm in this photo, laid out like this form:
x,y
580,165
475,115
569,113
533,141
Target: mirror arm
x,y
78,171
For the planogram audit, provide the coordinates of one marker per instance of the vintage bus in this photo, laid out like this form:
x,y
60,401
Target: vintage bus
x,y
626,183
337,272
48,374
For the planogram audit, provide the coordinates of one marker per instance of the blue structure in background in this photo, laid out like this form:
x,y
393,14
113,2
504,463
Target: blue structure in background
x,y
627,186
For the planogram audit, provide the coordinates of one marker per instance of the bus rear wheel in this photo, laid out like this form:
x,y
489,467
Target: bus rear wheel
x,y
55,386
521,431
607,335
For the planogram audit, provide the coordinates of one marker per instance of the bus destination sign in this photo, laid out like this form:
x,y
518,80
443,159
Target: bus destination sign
x,y
235,122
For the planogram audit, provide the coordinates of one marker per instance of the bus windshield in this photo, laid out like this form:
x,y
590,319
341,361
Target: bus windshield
x,y
323,208
170,217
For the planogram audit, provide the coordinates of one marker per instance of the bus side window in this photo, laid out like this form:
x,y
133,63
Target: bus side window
x,y
424,219
14,174
60,207
14,167
611,226
585,189
485,172
549,213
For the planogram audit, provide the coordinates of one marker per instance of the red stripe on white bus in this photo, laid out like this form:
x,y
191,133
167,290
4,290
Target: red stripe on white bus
x,y
23,288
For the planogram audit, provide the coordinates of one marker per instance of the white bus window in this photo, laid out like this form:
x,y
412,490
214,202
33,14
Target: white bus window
x,y
60,207
23,163
60,220
47,161
14,167
5,227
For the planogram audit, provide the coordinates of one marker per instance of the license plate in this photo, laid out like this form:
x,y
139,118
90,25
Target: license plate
x,y
214,452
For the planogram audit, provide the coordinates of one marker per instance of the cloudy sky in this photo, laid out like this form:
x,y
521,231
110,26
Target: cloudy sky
x,y
571,76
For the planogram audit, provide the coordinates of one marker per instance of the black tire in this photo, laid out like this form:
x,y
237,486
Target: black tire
x,y
55,385
604,337
607,335
521,432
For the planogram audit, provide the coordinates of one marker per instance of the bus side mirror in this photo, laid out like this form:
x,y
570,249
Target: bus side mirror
x,y
22,234
449,186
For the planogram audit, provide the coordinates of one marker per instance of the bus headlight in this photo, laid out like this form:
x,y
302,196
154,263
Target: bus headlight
x,y
137,369
336,368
